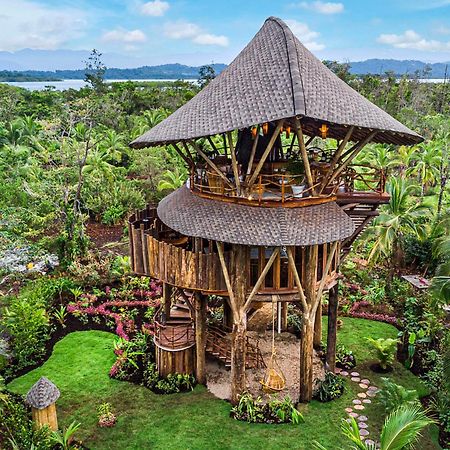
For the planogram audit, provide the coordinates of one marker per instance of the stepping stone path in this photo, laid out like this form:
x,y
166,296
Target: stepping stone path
x,y
337,370
369,442
371,391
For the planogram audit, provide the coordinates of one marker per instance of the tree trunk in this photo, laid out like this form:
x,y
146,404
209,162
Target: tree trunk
x,y
200,337
239,335
318,327
306,359
333,301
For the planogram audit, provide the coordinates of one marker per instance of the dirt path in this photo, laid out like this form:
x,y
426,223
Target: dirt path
x,y
288,358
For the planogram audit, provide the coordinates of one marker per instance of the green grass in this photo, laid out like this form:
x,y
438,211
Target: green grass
x,y
79,366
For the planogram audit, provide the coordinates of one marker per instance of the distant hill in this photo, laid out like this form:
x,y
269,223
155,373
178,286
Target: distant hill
x,y
164,71
380,66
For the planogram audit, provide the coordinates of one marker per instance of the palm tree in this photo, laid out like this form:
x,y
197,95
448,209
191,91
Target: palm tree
x,y
397,219
402,429
440,284
426,165
172,180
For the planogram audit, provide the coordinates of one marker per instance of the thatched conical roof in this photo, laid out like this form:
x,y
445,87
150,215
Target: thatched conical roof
x,y
276,77
42,394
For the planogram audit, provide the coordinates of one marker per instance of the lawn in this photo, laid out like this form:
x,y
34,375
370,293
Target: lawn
x,y
79,366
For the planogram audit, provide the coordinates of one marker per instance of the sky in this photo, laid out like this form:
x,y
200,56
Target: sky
x,y
196,32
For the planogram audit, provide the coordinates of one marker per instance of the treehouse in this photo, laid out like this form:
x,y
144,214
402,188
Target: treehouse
x,y
273,203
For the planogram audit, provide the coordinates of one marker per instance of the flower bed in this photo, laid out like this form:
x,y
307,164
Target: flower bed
x,y
357,310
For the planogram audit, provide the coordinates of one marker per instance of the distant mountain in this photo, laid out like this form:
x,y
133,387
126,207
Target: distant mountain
x,y
410,67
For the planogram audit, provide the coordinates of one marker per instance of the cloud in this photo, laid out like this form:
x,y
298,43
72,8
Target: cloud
x,y
27,24
412,40
323,7
121,35
156,8
442,29
306,36
189,30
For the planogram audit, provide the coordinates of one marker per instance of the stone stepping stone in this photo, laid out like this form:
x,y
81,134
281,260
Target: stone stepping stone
x,y
355,374
363,425
365,381
363,386
369,442
356,401
372,388
362,419
353,414
359,407
367,400
356,379
349,410
337,370
371,393
363,433
362,395
344,373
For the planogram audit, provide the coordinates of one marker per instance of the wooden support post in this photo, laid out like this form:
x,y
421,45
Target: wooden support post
x,y
265,154
284,315
237,181
187,160
167,299
45,417
307,327
200,337
333,302
252,154
302,146
318,327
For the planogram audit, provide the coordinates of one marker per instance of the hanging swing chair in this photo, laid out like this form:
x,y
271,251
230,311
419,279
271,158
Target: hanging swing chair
x,y
274,380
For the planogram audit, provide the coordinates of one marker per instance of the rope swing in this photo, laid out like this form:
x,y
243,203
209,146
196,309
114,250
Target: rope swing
x,y
274,380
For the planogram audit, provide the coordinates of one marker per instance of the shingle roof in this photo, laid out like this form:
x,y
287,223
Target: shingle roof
x,y
42,394
195,216
276,77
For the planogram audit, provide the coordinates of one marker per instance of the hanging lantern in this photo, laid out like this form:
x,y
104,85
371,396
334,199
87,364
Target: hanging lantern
x,y
323,131
288,131
254,132
265,128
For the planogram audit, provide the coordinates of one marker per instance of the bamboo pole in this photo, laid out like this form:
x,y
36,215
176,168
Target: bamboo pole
x,y
297,280
188,161
237,181
265,154
252,154
226,276
261,277
301,143
356,150
335,158
211,164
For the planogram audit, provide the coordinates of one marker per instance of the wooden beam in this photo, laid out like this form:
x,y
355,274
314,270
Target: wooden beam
x,y
188,161
265,154
325,273
310,139
237,181
297,280
226,276
262,277
302,146
252,154
211,164
211,143
356,150
336,157
187,150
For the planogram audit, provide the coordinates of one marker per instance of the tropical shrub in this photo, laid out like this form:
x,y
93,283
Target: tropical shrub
x,y
330,388
345,359
252,410
64,439
393,395
171,384
384,349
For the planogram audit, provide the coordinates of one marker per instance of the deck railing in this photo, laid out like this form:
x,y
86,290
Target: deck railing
x,y
174,337
282,187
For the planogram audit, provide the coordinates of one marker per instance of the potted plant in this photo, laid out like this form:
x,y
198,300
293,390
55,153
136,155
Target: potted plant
x,y
296,168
